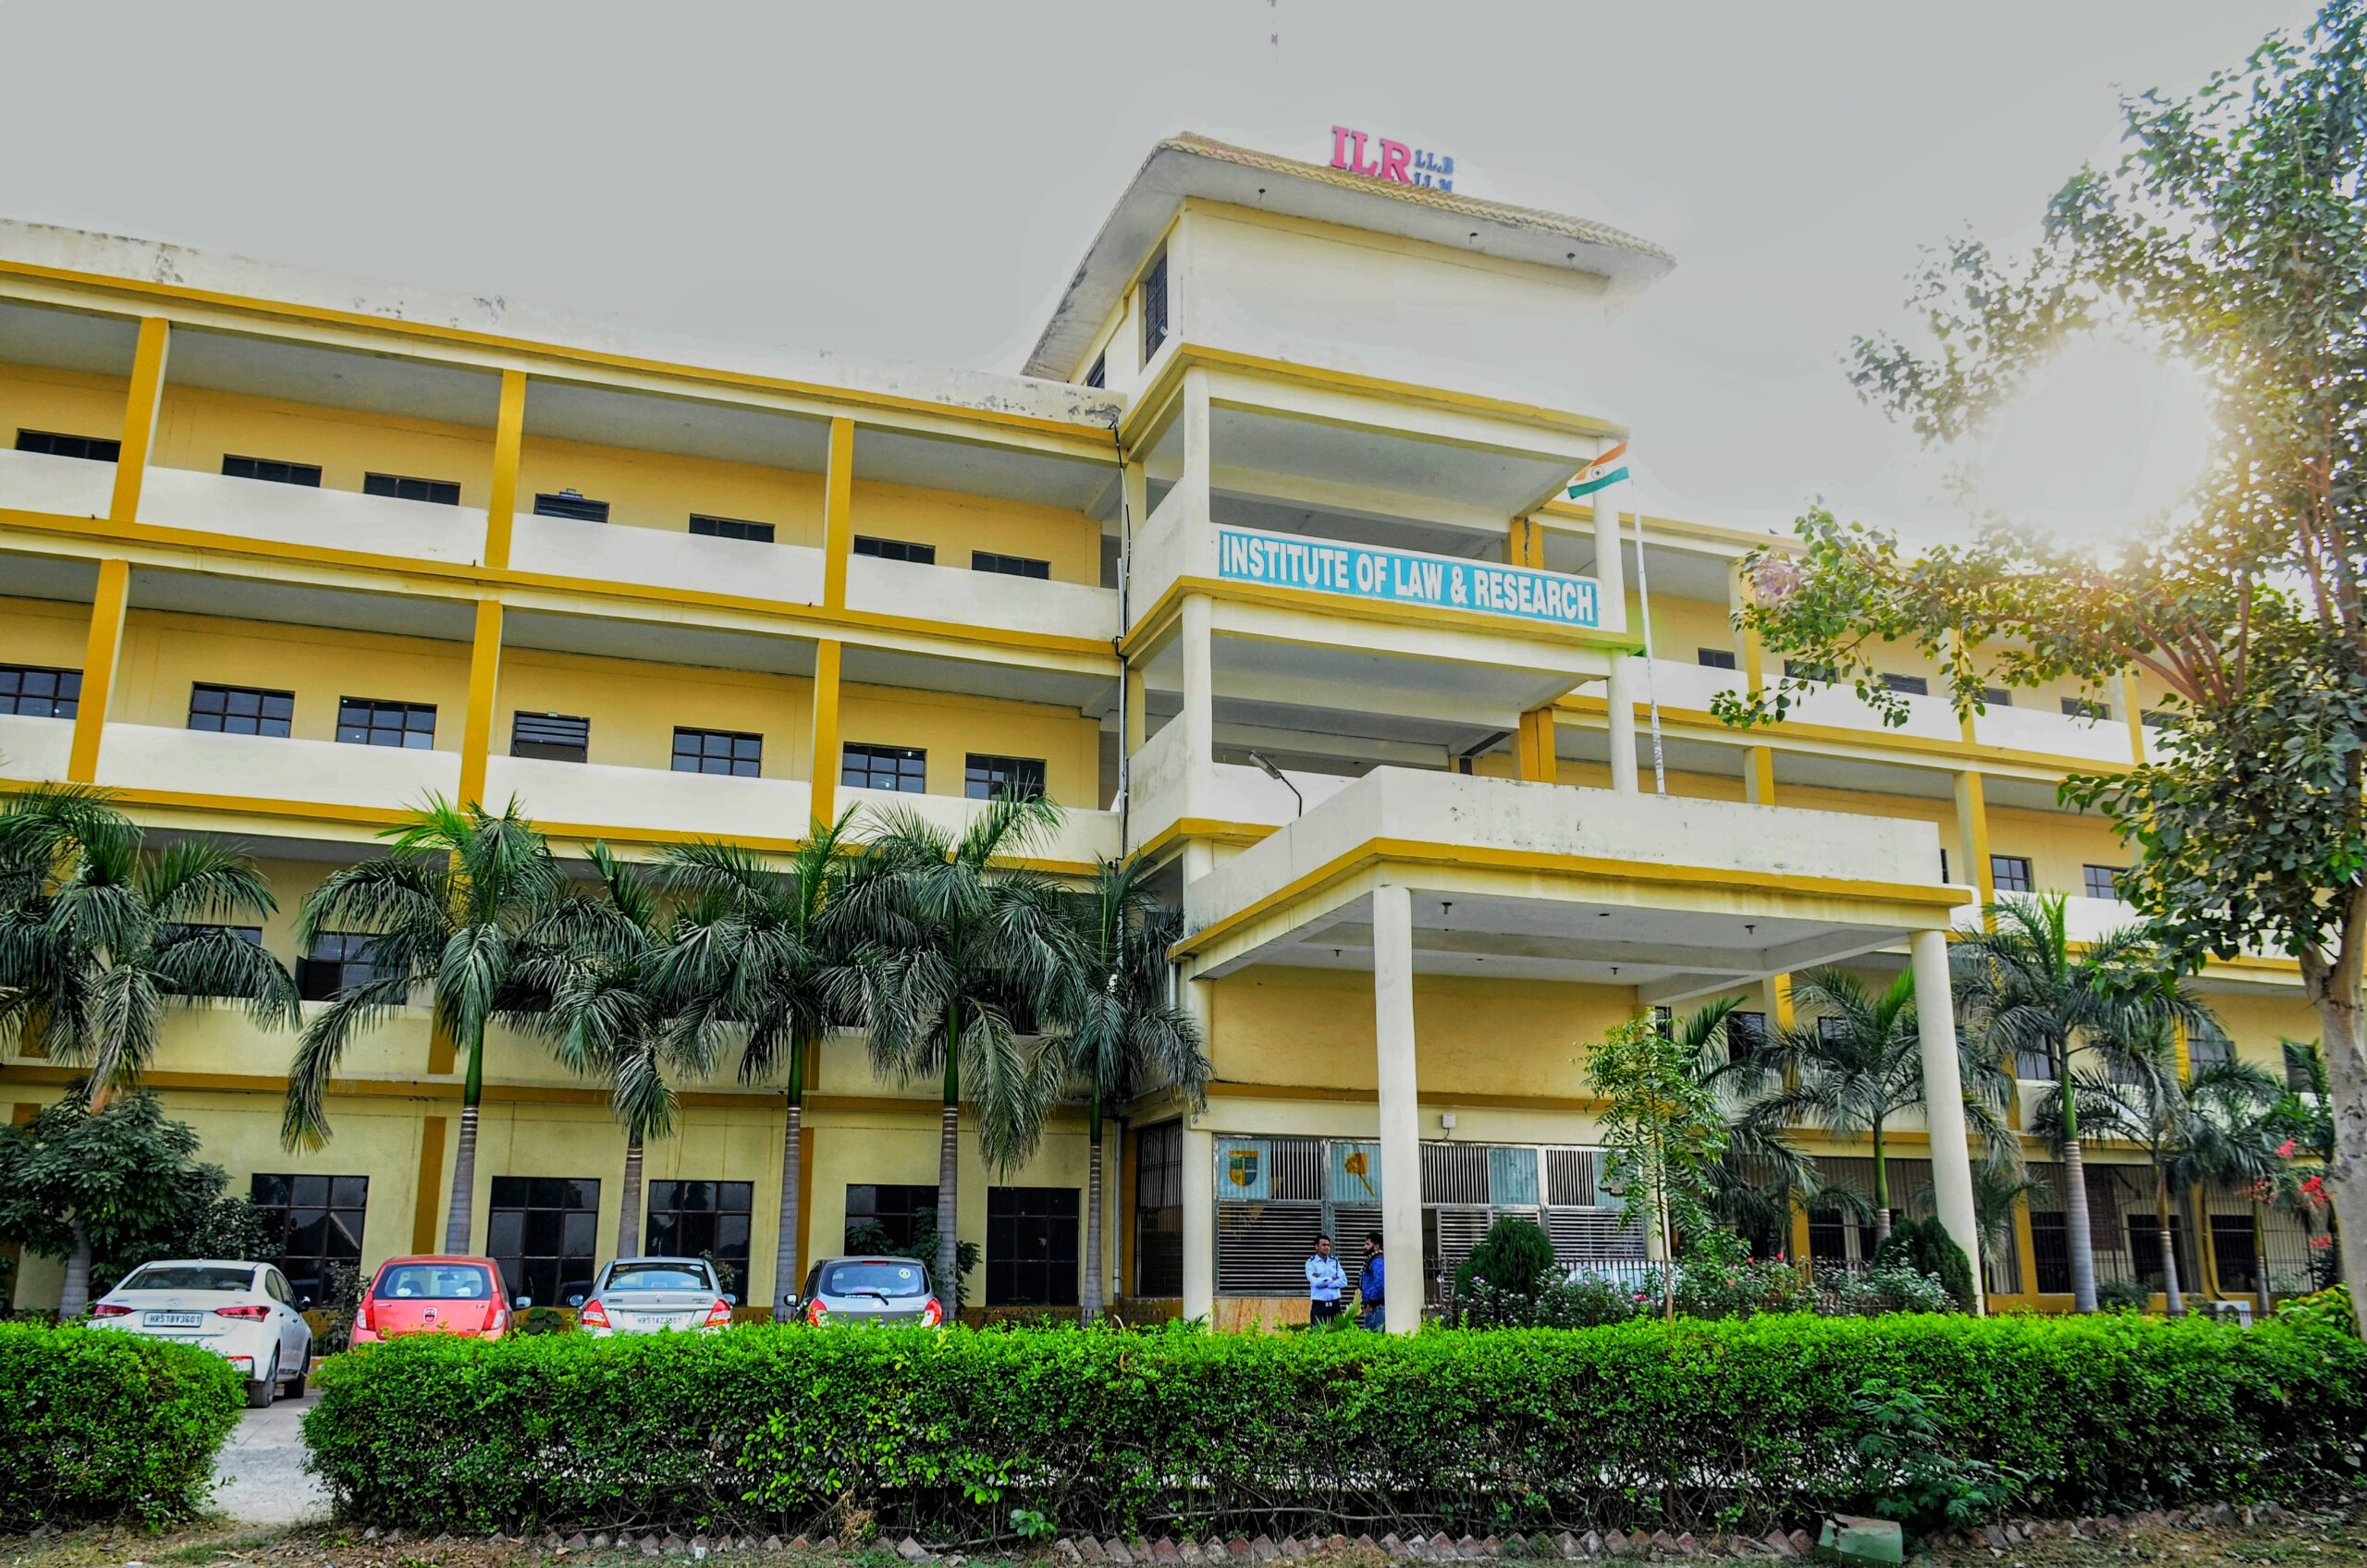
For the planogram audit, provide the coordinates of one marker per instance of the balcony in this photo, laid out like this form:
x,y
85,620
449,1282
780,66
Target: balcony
x,y
36,482
196,762
1083,838
598,796
312,518
1165,791
982,598
35,750
2055,734
657,558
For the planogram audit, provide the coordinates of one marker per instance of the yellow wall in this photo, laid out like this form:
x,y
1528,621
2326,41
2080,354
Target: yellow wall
x,y
635,706
950,728
662,489
2059,845
199,428
957,525
165,653
43,631
63,402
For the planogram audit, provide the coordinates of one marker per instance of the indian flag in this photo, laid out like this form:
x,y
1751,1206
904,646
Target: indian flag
x,y
1606,470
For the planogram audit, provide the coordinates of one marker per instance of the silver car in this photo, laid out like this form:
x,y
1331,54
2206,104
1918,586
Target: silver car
x,y
643,1295
867,1289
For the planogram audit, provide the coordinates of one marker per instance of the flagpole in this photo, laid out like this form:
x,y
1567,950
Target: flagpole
x,y
1644,603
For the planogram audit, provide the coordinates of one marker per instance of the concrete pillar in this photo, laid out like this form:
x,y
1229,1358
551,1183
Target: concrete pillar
x,y
1943,1095
1198,716
1199,436
1199,1221
1609,565
1620,693
1401,1117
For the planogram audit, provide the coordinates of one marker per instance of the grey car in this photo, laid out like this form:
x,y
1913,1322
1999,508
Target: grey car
x,y
867,1289
643,1295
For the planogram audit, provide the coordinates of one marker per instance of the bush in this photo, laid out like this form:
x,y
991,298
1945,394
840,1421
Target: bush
x,y
101,1425
1515,1258
2123,1295
948,1434
1925,1246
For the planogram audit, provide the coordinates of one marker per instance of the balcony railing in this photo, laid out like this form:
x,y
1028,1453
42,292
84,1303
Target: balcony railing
x,y
141,756
36,482
303,516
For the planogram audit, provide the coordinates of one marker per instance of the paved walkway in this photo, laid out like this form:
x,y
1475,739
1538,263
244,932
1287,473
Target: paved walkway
x,y
259,1479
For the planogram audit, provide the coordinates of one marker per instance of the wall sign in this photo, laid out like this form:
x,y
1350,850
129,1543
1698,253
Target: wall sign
x,y
1391,159
1405,577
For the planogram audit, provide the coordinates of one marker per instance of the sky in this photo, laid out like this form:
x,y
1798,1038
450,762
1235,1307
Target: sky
x,y
915,182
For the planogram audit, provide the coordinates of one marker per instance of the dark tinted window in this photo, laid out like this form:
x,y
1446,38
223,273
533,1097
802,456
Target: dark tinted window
x,y
316,1222
658,1277
1031,1246
339,960
35,692
2089,707
189,1277
566,503
1158,1210
2010,873
731,528
1714,658
986,778
2103,881
1808,669
273,470
2207,1045
895,550
403,487
541,1230
434,1282
1099,375
1913,685
1010,566
98,449
1996,697
719,751
369,721
1154,308
897,1211
891,1280
708,1219
902,769
241,710
554,737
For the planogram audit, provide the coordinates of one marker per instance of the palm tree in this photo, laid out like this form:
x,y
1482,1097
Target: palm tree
x,y
448,908
2023,991
595,962
759,953
1123,1037
1760,1175
976,953
99,934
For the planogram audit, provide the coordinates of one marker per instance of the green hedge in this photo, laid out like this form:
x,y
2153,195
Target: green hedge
x,y
96,1425
1726,1425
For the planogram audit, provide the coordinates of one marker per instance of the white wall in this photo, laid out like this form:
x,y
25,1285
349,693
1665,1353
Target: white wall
x,y
659,557
36,482
141,756
599,795
34,749
299,514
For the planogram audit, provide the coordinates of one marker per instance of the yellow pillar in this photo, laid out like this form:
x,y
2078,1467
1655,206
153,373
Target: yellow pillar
x,y
102,650
2026,1247
1533,747
426,1207
509,441
1972,829
2136,718
837,518
139,409
1759,761
484,681
825,729
1525,545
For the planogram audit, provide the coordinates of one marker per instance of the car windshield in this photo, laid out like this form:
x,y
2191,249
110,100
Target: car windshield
x,y
658,1277
188,1277
434,1282
873,1276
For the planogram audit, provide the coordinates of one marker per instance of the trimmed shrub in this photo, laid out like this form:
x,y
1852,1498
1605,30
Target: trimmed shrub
x,y
948,1434
1515,1257
101,1425
1925,1246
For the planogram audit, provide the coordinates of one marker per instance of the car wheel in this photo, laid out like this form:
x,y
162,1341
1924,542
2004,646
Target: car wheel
x,y
295,1384
260,1391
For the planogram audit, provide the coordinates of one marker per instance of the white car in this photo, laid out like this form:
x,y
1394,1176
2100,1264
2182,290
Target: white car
x,y
241,1311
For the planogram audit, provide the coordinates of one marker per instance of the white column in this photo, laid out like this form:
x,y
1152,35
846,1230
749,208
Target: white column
x,y
1199,462
1198,716
1401,1118
1619,693
1609,565
1943,1095
1199,1221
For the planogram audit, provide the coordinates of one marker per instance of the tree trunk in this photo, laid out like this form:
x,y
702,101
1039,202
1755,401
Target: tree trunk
x,y
2172,1297
458,1218
629,1207
76,1296
2076,1242
1090,1307
2346,1176
2259,1260
1882,1192
787,1268
948,1169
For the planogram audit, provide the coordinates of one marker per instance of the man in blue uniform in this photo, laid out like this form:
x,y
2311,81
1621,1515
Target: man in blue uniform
x,y
1326,1282
1373,1289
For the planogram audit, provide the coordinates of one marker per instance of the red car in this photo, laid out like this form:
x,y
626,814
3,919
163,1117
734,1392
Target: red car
x,y
438,1294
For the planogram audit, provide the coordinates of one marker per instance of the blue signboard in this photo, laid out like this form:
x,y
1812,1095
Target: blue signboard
x,y
1407,577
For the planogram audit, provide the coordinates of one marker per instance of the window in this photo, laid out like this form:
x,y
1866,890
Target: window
x,y
241,710
2233,1256
1099,376
1831,1030
1158,1210
541,1231
902,769
2207,1045
895,550
314,1221
571,504
1031,1246
986,777
1996,697
366,721
272,471
2036,1063
339,960
703,1220
2051,1252
1714,658
32,691
1154,308
401,487
898,1214
1011,565
2145,1249
1806,670
98,449
1911,685
707,527
2300,1072
2010,873
2156,719
554,737
2103,881
719,751
2087,707
1746,1031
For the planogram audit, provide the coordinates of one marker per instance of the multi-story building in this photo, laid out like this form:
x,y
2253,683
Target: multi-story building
x,y
1264,569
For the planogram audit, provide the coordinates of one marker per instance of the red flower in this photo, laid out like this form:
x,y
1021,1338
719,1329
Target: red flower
x,y
2285,1149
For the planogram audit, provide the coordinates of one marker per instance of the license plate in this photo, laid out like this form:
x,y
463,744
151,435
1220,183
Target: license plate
x,y
173,1319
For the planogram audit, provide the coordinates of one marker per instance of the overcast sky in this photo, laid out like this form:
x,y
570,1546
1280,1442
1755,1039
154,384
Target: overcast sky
x,y
915,182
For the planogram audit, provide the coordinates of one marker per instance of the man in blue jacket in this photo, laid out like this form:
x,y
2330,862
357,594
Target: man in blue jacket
x,y
1326,1282
1373,1289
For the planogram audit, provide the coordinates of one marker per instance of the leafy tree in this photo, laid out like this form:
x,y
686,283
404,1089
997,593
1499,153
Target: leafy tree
x,y
100,935
2233,234
766,954
448,908
121,1185
2026,990
1123,1039
1664,1132
976,952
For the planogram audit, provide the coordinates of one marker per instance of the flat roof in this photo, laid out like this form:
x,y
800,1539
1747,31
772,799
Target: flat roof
x,y
1188,164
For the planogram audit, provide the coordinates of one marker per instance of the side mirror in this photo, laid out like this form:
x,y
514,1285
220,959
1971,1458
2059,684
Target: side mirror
x,y
789,1300
523,1302
576,1300
304,1304
730,1299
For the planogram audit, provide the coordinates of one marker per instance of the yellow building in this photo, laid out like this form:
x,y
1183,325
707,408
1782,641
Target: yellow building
x,y
1262,569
